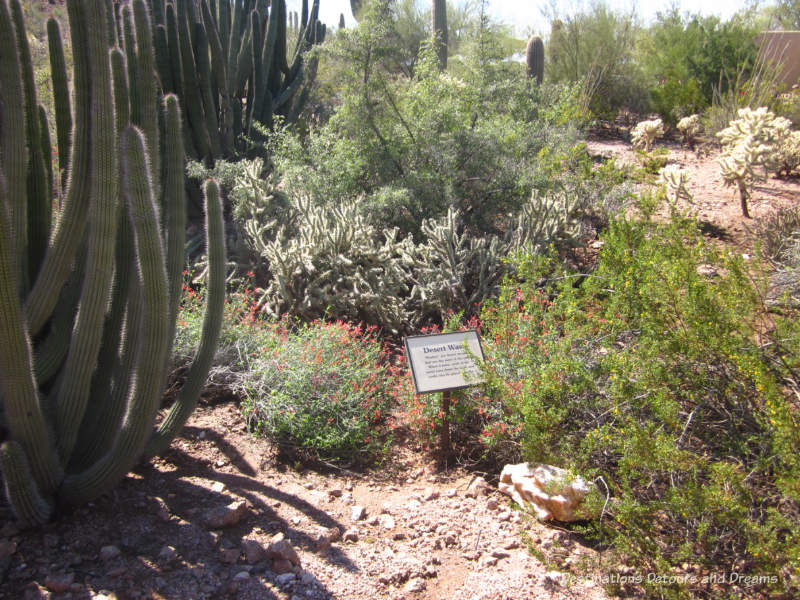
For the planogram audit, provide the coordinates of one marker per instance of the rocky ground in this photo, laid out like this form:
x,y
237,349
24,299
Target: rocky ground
x,y
216,517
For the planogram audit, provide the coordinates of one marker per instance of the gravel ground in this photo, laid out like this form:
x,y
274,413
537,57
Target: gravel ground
x,y
218,518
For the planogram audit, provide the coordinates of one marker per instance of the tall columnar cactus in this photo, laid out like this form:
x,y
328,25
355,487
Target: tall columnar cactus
x,y
89,302
231,63
439,28
534,57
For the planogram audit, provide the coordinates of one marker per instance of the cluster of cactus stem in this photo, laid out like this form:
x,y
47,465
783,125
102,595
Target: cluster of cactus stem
x,y
534,58
335,266
231,63
90,291
674,180
332,262
754,145
647,132
690,127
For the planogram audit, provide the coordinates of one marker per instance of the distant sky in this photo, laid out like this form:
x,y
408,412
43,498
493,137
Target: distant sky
x,y
525,14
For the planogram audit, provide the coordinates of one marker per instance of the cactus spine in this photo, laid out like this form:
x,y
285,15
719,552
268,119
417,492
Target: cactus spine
x,y
86,346
439,27
534,57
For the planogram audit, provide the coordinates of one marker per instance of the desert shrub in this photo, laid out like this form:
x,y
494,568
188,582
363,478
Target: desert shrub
x,y
659,377
318,390
413,147
688,59
322,390
596,47
776,231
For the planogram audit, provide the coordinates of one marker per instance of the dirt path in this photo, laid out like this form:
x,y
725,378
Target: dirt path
x,y
716,206
421,536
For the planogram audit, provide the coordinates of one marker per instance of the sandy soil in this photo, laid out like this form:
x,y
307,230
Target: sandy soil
x,y
715,205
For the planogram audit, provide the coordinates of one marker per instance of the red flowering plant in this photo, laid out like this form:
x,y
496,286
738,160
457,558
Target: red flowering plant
x,y
323,392
482,429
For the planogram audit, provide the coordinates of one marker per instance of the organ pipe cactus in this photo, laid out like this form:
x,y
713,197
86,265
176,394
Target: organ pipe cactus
x,y
231,63
534,57
87,328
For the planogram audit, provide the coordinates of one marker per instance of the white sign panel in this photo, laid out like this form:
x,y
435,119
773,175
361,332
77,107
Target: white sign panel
x,y
445,361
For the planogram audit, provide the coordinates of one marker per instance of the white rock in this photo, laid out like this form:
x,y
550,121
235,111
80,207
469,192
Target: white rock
x,y
553,492
415,586
358,513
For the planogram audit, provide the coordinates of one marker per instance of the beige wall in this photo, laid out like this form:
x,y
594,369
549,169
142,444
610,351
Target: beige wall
x,y
783,47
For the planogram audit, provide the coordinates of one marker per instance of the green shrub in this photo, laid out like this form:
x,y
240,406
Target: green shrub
x,y
657,372
323,390
469,140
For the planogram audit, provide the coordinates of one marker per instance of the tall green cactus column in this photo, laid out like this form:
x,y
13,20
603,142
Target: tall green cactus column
x,y
229,63
88,319
534,58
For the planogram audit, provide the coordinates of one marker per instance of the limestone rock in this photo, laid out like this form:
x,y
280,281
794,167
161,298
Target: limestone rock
x,y
553,492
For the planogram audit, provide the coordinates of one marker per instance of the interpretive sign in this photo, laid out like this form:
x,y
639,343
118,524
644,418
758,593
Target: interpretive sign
x,y
445,361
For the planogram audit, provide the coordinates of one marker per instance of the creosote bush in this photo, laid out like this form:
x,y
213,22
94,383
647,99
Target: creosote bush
x,y
671,386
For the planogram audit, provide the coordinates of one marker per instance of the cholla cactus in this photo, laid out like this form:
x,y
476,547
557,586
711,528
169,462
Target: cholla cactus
x,y
690,127
544,220
789,153
674,180
456,270
750,149
646,132
336,266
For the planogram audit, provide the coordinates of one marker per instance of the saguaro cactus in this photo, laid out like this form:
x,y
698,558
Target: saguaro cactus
x,y
439,27
87,329
534,56
229,62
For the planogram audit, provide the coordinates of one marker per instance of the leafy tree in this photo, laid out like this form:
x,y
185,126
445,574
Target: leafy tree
x,y
596,47
788,13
